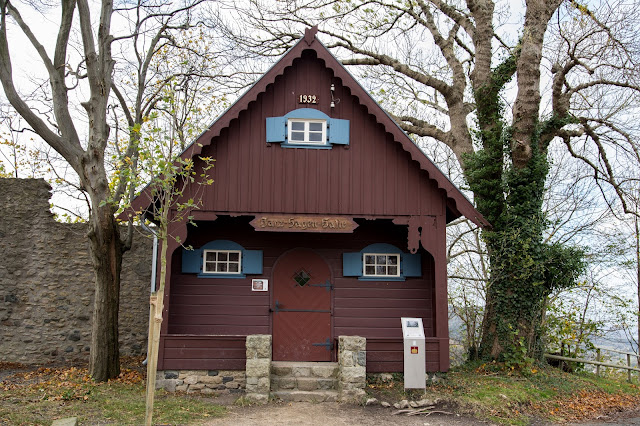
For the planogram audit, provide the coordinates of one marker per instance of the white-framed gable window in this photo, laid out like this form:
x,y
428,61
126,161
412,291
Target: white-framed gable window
x,y
381,264
307,131
222,262
307,128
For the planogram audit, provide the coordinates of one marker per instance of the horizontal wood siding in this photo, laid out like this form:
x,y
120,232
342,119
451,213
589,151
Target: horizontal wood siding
x,y
216,306
371,176
386,355
204,352
221,306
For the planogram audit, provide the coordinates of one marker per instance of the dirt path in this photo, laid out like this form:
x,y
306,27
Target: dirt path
x,y
335,414
331,414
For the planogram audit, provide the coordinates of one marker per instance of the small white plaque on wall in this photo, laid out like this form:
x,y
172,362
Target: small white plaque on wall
x,y
259,284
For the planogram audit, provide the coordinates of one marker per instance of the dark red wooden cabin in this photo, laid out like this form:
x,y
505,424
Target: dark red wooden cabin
x,y
324,202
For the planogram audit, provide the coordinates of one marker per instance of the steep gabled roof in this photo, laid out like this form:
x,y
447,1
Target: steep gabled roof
x,y
456,201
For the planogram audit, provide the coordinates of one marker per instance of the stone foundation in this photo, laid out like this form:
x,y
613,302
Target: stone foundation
x,y
313,381
352,366
206,382
258,368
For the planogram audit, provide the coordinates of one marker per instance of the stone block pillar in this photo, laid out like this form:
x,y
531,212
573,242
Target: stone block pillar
x,y
258,370
352,368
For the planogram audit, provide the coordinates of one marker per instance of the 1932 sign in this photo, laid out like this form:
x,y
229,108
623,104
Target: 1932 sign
x,y
308,99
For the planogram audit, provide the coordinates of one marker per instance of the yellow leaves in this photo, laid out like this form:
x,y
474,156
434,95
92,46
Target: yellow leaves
x,y
63,384
589,404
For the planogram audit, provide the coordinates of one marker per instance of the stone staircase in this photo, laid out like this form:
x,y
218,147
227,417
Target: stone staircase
x,y
304,381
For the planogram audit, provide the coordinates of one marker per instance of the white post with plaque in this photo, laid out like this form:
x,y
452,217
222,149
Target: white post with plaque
x,y
414,356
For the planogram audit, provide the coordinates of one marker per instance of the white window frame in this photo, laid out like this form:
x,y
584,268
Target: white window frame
x,y
216,262
375,264
307,132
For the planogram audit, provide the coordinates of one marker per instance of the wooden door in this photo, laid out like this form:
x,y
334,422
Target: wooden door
x,y
301,307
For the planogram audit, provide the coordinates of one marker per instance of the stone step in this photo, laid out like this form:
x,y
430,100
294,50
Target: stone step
x,y
322,370
307,396
303,383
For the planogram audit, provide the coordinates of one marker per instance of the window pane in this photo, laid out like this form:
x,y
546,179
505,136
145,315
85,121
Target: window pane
x,y
381,270
315,127
210,256
222,256
222,267
369,259
393,270
297,125
381,260
233,267
370,270
392,260
234,257
297,136
315,137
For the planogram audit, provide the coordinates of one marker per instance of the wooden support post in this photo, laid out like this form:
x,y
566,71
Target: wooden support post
x,y
155,322
629,365
599,360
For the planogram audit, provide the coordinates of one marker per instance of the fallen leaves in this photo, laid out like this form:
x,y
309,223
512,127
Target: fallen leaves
x,y
62,384
5,365
588,404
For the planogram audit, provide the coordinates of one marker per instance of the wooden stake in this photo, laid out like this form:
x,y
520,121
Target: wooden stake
x,y
155,323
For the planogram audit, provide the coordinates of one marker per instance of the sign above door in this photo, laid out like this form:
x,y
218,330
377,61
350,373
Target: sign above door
x,y
286,223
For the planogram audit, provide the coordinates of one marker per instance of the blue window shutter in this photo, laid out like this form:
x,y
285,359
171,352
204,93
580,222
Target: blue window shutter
x,y
338,131
352,264
252,262
411,265
191,261
276,129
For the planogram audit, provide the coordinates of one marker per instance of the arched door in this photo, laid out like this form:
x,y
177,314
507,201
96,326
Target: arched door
x,y
302,307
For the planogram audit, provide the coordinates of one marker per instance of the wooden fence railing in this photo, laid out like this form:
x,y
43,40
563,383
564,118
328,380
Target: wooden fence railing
x,y
599,361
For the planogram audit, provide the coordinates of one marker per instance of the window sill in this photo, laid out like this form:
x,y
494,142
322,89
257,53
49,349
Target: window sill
x,y
205,275
306,146
382,279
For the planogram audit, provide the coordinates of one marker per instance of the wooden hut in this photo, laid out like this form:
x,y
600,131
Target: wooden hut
x,y
324,220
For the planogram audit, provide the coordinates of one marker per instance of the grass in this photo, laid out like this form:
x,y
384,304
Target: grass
x,y
489,392
41,396
485,391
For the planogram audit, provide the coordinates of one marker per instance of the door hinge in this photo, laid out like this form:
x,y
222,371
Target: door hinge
x,y
279,308
328,344
327,285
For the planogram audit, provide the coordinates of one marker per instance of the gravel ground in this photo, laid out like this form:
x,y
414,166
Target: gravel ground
x,y
332,414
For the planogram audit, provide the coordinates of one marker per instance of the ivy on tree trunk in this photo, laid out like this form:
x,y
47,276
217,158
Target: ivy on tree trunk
x,y
508,183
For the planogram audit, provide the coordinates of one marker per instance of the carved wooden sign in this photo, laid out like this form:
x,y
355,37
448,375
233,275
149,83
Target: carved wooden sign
x,y
284,223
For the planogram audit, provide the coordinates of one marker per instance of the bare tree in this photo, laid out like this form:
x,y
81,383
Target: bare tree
x,y
453,72
87,69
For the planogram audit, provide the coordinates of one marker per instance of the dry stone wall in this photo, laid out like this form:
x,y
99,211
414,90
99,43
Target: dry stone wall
x,y
47,282
206,382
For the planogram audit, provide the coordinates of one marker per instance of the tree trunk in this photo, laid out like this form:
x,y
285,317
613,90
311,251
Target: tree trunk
x,y
106,254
